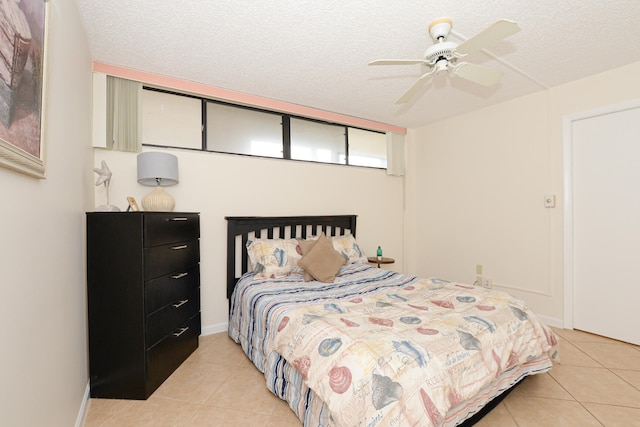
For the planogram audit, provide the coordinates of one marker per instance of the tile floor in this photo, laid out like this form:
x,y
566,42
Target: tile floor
x,y
597,383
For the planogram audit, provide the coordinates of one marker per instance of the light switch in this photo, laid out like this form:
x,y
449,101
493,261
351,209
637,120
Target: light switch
x,y
550,201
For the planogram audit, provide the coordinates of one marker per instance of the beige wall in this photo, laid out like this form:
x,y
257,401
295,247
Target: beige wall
x,y
219,185
43,308
476,187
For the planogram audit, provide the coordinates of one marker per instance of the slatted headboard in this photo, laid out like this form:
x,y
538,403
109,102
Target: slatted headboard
x,y
242,228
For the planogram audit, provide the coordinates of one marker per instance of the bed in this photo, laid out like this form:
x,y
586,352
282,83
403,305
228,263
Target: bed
x,y
372,347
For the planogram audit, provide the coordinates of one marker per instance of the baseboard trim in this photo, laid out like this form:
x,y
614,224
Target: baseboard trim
x,y
551,321
82,414
216,328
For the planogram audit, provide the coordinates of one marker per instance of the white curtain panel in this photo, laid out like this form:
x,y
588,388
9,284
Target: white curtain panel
x,y
395,154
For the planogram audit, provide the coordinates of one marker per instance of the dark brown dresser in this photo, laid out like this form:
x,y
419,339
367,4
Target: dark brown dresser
x,y
143,291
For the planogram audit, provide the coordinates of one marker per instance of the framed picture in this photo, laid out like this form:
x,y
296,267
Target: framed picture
x,y
133,205
22,85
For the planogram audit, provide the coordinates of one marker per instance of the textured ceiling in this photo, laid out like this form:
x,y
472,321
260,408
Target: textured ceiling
x,y
315,53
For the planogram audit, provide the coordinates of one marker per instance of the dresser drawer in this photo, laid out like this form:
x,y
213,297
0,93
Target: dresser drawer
x,y
168,354
164,321
163,228
174,257
172,287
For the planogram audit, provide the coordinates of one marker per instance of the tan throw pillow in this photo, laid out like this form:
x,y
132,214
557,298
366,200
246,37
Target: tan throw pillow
x,y
305,247
322,262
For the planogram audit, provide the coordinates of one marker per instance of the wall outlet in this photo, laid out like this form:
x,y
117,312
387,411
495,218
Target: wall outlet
x,y
488,283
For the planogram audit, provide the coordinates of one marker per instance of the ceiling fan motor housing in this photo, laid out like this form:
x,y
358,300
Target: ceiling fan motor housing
x,y
439,51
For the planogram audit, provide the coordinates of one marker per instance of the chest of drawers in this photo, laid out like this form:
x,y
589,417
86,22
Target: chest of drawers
x,y
143,295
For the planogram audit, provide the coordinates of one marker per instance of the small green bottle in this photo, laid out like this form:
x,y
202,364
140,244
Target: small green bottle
x,y
379,253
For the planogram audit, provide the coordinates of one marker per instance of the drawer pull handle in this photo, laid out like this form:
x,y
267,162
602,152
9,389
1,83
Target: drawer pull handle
x,y
182,331
176,248
179,276
181,303
179,218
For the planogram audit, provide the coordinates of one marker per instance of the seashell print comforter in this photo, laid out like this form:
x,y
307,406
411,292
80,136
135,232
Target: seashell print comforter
x,y
379,348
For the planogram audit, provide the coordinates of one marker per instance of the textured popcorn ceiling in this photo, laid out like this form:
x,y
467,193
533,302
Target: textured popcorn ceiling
x,y
315,53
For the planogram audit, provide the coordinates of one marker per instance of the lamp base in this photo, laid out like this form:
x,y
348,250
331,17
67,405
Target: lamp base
x,y
158,201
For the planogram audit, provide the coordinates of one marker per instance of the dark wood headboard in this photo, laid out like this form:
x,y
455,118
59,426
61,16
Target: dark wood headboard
x,y
241,228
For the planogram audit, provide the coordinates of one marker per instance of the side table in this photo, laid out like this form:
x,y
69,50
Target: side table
x,y
384,260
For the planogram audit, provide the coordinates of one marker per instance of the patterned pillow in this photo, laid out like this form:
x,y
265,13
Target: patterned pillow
x,y
347,247
273,258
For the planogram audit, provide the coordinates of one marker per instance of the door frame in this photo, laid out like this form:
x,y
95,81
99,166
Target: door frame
x,y
567,162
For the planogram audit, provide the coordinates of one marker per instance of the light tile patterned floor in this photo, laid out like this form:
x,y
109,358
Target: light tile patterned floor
x,y
597,383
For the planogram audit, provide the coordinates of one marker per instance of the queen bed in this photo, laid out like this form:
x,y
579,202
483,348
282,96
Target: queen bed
x,y
356,345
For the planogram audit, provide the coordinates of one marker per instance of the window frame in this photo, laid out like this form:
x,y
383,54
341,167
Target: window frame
x,y
286,130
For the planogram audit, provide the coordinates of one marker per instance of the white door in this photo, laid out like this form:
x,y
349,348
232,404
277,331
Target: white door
x,y
606,224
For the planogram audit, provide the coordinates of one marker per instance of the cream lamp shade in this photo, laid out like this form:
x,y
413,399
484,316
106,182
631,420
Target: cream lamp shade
x,y
159,170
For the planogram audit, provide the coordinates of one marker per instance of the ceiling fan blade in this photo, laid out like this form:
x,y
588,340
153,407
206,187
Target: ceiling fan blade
x,y
480,74
415,87
492,34
398,62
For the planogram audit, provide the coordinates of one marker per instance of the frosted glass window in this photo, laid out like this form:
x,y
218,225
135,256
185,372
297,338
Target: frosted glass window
x,y
318,142
171,120
367,148
243,131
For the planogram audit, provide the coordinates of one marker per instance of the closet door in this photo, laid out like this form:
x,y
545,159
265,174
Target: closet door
x,y
606,224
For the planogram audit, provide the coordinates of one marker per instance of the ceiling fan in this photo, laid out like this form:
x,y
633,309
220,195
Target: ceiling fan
x,y
444,55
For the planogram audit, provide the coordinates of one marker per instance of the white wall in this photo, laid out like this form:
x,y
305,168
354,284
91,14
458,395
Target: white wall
x,y
477,183
219,185
43,304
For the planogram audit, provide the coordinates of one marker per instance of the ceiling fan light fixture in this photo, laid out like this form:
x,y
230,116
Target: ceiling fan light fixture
x,y
441,65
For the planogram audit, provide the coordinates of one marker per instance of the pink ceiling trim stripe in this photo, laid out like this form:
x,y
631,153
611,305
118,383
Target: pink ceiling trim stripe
x,y
241,98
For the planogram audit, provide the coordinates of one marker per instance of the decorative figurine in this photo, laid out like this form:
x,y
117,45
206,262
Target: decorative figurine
x,y
104,177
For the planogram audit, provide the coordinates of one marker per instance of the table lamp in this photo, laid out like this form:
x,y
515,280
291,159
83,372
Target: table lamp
x,y
159,170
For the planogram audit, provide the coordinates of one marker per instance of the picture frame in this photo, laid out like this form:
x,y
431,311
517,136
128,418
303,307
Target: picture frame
x,y
23,86
133,205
